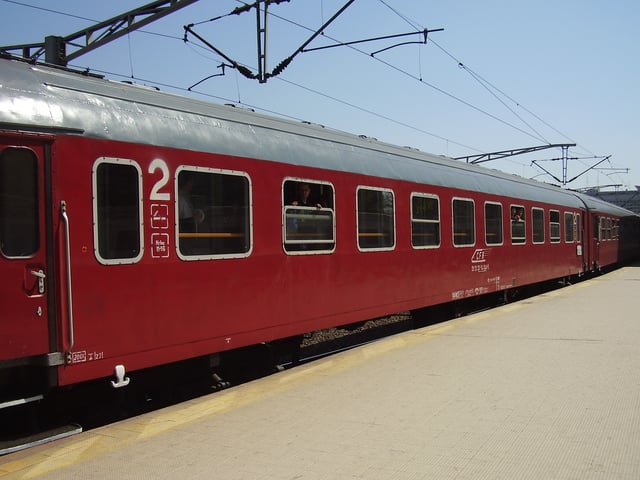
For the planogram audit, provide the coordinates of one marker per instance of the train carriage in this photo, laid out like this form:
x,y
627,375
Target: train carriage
x,y
139,228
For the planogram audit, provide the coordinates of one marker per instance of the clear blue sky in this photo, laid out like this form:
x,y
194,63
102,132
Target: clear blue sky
x,y
534,72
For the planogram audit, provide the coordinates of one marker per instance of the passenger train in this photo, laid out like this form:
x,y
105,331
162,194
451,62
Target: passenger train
x,y
140,228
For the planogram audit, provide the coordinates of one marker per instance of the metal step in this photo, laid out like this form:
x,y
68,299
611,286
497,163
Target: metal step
x,y
19,401
15,445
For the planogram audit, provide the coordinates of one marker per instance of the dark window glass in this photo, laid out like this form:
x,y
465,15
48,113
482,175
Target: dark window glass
x,y
375,219
537,215
554,226
19,232
213,213
425,221
493,223
578,227
463,222
117,209
568,227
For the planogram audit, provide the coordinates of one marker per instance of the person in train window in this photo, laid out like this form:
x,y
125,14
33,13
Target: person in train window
x,y
189,216
303,197
516,216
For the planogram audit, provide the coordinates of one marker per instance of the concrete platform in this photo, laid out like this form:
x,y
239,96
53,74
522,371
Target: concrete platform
x,y
548,388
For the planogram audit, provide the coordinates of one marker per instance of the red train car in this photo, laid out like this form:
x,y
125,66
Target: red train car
x,y
139,228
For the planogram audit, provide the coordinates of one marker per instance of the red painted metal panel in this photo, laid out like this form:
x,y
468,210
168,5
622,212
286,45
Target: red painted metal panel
x,y
162,309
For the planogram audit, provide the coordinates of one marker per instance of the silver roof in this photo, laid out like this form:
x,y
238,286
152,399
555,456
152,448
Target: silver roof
x,y
35,96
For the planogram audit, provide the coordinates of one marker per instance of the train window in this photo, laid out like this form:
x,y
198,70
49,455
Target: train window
x,y
309,219
493,223
464,226
569,225
376,219
537,222
117,211
578,228
518,231
554,226
19,233
213,212
425,221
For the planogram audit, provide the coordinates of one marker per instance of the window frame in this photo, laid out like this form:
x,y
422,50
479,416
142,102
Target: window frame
x,y
578,227
516,240
437,222
249,206
453,222
285,207
393,220
501,223
34,232
96,219
552,238
535,230
569,231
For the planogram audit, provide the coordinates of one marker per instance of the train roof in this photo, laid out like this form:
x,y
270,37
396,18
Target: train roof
x,y
39,97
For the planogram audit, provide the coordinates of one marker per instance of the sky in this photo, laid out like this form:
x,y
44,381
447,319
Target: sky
x,y
501,75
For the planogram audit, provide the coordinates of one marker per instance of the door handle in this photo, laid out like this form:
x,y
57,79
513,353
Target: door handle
x,y
41,277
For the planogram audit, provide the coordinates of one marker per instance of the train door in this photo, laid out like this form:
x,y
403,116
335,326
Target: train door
x,y
24,270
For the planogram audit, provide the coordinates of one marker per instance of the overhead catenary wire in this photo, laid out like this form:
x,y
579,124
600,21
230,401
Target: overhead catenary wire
x,y
483,82
388,64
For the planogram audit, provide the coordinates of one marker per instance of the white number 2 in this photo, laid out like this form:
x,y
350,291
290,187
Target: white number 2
x,y
159,164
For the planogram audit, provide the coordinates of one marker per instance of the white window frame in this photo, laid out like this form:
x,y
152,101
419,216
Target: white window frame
x,y
420,220
453,223
493,244
544,233
393,220
217,171
285,207
96,238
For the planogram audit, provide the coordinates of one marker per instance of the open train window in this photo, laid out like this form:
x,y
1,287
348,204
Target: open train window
x,y
308,216
376,219
464,225
493,223
569,226
518,231
537,224
554,226
425,221
19,233
117,210
213,212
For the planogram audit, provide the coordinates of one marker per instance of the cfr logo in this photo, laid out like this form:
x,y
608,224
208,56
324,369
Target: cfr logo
x,y
480,255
